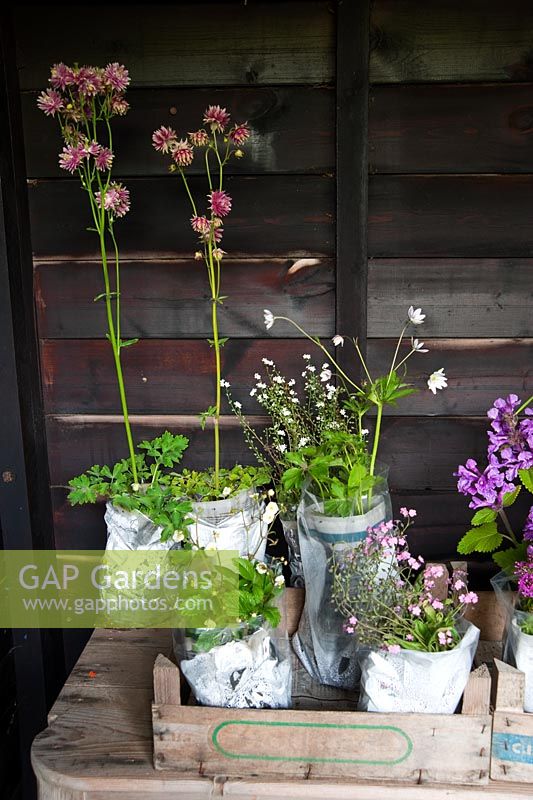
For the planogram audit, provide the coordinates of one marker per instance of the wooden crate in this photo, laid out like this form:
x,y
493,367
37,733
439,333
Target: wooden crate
x,y
512,730
317,743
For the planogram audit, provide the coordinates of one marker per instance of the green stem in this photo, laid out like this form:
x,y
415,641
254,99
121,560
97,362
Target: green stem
x,y
524,405
507,525
193,204
218,371
397,349
376,437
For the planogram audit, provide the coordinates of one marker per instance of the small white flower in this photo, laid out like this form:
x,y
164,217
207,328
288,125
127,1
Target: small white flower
x,y
226,490
437,380
253,392
281,433
279,580
269,318
178,536
238,405
135,487
270,493
224,383
342,412
364,431
338,340
257,376
306,356
285,412
268,362
261,567
418,346
294,400
278,379
325,375
269,514
291,382
325,366
304,374
320,404
261,385
415,315
310,368
303,441
282,448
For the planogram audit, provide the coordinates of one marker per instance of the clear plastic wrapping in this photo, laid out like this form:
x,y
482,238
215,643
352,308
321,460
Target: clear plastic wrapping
x,y
412,681
328,654
236,668
517,645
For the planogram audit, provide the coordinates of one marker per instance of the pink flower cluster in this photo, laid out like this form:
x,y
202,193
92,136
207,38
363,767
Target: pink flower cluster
x,y
80,85
116,199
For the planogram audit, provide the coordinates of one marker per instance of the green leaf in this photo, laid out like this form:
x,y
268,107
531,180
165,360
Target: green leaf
x,y
104,294
128,342
356,475
483,539
526,476
506,559
510,497
223,341
483,515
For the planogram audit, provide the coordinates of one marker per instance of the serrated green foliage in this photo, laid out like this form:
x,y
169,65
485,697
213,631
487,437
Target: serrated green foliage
x,y
482,539
506,559
483,515
197,485
510,497
526,476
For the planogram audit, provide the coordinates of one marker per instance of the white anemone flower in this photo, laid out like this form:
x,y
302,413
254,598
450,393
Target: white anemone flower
x,y
437,380
325,375
338,340
418,346
178,536
270,512
279,580
269,318
261,567
415,315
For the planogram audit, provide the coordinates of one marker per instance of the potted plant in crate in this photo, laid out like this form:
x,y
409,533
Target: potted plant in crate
x,y
419,649
141,510
223,499
492,492
246,664
299,419
344,492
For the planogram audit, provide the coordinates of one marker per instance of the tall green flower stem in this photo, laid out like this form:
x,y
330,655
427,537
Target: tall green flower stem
x,y
84,100
377,392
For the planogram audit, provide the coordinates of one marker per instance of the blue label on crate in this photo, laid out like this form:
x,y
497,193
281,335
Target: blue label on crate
x,y
512,747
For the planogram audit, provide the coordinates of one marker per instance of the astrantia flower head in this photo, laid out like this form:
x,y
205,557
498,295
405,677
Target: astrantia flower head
x,y
104,159
415,315
240,133
61,76
71,157
117,76
118,105
89,80
182,153
199,138
219,203
50,102
216,117
437,380
200,225
116,200
163,138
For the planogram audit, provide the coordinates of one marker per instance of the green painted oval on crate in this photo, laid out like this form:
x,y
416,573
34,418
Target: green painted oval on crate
x,y
324,726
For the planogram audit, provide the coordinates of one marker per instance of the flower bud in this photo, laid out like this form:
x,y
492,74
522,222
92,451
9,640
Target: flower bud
x,y
198,256
238,154
172,168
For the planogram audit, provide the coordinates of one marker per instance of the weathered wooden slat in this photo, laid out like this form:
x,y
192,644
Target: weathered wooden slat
x,y
423,453
273,215
462,298
172,376
448,40
179,45
280,117
162,376
451,128
169,298
441,215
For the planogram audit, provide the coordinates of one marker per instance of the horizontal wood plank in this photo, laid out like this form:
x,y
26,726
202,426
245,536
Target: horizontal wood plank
x,y
272,215
170,298
422,452
463,298
176,376
449,40
459,128
453,216
280,119
180,45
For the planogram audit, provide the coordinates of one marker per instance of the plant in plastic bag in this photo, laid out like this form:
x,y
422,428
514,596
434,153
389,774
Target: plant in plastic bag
x,y
492,491
246,665
389,602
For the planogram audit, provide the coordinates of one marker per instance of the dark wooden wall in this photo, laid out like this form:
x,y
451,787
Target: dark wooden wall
x,y
450,155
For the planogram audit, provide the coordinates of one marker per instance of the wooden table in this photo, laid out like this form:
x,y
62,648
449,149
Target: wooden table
x,y
98,745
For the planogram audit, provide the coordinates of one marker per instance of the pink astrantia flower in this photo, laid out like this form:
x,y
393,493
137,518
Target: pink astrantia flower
x,y
50,102
116,201
199,138
219,203
71,157
216,117
92,148
163,138
119,105
240,133
182,153
200,224
117,76
61,76
104,159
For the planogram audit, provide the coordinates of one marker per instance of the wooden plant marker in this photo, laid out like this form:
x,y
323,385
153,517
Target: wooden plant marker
x,y
512,733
